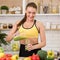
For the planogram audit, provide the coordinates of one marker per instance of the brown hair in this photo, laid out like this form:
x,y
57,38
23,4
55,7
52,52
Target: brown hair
x,y
31,4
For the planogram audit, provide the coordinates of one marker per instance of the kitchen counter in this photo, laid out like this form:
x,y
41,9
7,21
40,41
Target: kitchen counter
x,y
21,58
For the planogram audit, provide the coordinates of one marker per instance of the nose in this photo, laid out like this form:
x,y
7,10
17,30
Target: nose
x,y
31,15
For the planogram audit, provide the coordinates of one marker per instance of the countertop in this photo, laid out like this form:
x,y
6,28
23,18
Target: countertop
x,y
21,58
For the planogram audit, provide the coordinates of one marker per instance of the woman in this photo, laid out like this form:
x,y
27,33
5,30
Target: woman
x,y
30,28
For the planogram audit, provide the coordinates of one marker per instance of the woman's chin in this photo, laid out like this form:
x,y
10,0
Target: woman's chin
x,y
30,19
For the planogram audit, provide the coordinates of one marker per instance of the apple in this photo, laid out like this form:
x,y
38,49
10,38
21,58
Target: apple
x,y
27,58
8,58
15,57
1,50
2,54
5,58
35,57
8,55
2,58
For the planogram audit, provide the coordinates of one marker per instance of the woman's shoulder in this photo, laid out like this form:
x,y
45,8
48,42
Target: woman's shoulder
x,y
40,25
17,22
38,22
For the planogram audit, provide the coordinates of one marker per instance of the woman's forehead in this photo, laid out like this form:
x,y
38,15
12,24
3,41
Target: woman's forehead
x,y
31,9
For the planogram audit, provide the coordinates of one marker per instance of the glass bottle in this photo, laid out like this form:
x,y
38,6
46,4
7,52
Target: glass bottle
x,y
54,9
50,7
10,26
4,26
41,6
54,6
45,9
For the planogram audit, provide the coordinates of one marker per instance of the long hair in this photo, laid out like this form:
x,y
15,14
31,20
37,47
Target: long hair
x,y
31,4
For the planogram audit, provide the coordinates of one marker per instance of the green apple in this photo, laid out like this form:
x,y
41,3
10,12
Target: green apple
x,y
1,50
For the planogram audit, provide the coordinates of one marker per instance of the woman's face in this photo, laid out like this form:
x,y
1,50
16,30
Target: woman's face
x,y
30,13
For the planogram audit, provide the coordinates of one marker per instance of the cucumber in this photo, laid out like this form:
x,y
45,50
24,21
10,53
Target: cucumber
x,y
17,38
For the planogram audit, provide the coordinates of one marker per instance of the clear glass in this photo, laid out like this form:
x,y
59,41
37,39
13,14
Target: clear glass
x,y
27,41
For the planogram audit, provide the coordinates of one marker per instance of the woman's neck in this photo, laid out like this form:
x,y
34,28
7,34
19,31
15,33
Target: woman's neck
x,y
29,21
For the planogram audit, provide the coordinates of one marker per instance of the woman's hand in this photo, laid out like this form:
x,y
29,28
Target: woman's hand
x,y
17,33
29,47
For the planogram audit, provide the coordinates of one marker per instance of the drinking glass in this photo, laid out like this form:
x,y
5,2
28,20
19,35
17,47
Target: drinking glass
x,y
27,41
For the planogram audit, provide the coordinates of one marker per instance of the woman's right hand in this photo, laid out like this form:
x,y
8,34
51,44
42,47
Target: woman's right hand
x,y
17,33
29,47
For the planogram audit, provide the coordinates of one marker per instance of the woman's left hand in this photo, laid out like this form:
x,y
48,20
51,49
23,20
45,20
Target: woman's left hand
x,y
29,47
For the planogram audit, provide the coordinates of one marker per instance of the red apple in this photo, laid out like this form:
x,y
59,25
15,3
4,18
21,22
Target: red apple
x,y
8,55
8,58
3,58
35,57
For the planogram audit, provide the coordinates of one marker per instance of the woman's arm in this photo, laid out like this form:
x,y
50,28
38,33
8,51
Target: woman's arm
x,y
12,32
42,35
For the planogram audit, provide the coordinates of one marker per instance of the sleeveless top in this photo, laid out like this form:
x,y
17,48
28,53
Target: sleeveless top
x,y
29,32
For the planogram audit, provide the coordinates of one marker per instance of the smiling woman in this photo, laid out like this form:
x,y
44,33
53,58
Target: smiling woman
x,y
30,13
30,28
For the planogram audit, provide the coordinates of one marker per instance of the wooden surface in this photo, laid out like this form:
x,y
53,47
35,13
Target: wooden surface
x,y
11,3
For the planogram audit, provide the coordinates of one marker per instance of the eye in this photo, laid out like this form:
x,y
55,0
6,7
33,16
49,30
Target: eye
x,y
34,13
29,12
